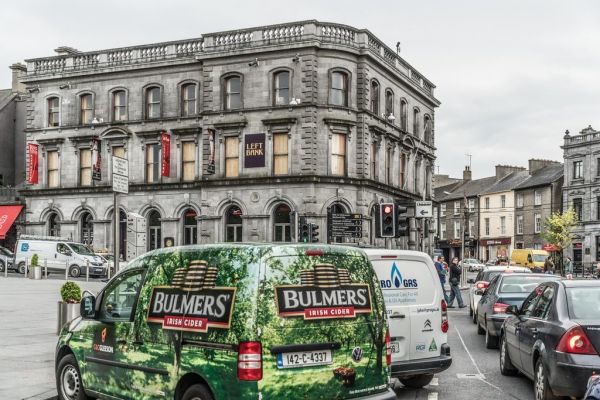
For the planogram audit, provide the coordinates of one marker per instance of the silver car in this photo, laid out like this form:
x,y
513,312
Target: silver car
x,y
473,264
6,259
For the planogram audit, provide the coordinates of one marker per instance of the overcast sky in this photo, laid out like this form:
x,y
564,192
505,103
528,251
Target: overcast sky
x,y
512,75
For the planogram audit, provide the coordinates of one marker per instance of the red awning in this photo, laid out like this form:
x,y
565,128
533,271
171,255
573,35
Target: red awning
x,y
8,214
549,247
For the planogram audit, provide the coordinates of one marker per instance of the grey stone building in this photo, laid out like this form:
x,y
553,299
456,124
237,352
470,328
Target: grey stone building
x,y
535,200
264,123
581,192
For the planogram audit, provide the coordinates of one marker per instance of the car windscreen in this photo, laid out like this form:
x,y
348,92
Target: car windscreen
x,y
584,302
539,258
523,283
81,249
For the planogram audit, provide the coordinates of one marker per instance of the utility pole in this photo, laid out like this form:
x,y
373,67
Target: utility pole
x,y
463,276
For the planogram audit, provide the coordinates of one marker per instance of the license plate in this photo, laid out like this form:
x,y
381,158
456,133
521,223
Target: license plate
x,y
304,359
395,347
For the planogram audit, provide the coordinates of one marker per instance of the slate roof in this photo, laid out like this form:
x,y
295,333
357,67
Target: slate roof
x,y
468,189
543,176
509,182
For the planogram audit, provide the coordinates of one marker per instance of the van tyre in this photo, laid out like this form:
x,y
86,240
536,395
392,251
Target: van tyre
x,y
417,382
506,366
541,387
68,380
22,267
74,271
197,392
491,341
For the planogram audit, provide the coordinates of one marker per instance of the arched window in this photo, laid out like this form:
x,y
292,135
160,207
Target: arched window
x,y
338,89
281,88
427,128
403,115
119,105
152,99
282,224
53,225
232,92
338,208
154,230
53,111
416,122
374,97
87,229
233,224
86,109
389,102
188,100
190,227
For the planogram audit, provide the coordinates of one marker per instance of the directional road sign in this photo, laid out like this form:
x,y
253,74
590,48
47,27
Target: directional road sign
x,y
423,209
344,225
120,175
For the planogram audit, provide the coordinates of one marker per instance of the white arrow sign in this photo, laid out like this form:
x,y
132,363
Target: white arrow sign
x,y
423,209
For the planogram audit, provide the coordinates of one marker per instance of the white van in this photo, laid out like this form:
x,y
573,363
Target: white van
x,y
58,254
417,314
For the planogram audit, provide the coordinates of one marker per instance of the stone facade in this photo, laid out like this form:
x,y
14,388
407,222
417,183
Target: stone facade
x,y
380,159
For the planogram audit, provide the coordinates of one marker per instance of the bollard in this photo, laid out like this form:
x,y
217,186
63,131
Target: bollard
x,y
45,268
66,270
87,270
26,266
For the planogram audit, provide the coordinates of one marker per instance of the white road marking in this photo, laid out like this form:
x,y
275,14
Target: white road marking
x,y
434,382
432,396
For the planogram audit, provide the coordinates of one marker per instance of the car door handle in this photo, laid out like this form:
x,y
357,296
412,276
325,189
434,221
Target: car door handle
x,y
397,316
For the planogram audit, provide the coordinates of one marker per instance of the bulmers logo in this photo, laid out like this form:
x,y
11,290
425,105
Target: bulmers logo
x,y
396,280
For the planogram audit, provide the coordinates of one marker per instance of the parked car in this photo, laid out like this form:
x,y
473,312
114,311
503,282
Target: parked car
x,y
472,264
505,289
554,338
417,314
273,321
6,259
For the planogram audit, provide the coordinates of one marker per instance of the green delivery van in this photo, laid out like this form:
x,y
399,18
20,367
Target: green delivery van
x,y
231,322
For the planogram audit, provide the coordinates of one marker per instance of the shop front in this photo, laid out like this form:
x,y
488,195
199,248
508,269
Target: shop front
x,y
498,248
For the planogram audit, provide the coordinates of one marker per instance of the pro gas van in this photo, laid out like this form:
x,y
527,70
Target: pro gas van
x,y
231,322
57,255
529,257
417,314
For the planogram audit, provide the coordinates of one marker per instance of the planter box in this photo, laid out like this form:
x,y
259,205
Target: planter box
x,y
66,313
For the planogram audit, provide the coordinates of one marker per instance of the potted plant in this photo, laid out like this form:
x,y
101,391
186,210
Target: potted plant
x,y
68,307
35,269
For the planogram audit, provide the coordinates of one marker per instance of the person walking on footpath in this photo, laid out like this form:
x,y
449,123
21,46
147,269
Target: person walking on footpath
x,y
439,266
569,268
455,273
548,266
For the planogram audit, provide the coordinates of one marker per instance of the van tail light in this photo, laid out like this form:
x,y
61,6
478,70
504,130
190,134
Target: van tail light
x,y
249,361
444,309
482,285
500,308
575,341
388,349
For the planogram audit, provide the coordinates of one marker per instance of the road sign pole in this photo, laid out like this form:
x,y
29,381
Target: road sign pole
x,y
116,231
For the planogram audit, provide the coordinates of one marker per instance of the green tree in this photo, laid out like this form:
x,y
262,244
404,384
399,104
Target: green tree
x,y
558,230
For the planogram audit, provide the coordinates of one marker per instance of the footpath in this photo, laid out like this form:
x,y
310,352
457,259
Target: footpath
x,y
28,313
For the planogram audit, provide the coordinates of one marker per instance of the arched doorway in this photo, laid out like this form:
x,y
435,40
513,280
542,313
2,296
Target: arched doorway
x,y
233,224
338,208
53,227
154,230
190,226
87,229
282,223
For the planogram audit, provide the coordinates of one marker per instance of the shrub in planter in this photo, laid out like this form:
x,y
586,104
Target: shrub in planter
x,y
70,292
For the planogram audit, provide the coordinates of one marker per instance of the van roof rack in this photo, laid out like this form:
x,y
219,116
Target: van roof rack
x,y
40,237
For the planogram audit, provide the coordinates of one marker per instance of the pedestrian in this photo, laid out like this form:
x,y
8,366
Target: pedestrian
x,y
548,266
455,274
445,265
569,268
439,266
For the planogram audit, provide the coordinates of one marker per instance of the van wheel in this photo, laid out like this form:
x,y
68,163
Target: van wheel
x,y
417,382
68,380
197,392
74,271
21,267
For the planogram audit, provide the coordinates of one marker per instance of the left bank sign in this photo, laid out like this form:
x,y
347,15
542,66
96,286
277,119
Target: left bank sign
x,y
32,163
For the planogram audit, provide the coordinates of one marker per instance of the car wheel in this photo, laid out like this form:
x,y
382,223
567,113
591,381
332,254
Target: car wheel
x,y
1,266
491,341
506,366
74,271
470,311
68,380
474,319
417,382
541,388
480,330
197,392
21,267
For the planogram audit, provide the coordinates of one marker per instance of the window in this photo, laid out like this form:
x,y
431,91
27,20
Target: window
x,y
442,230
188,100
577,169
188,161
471,205
416,122
53,175
402,170
520,224
87,229
598,211
233,224
537,218
280,154
443,210
233,93
281,88
471,231
86,109
503,201
529,303
190,227
153,102
232,156
154,230
375,97
338,92
520,200
118,151
578,208
85,167
597,247
456,229
503,225
537,198
487,226
542,308
152,163
389,102
282,225
338,154
119,99
53,104
53,225
374,160
404,115
597,166
427,128
119,299
456,207
487,203
388,165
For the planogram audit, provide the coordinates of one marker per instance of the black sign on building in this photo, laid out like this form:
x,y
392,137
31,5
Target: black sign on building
x,y
343,225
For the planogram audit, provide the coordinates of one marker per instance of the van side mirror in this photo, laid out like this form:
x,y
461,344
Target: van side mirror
x,y
87,309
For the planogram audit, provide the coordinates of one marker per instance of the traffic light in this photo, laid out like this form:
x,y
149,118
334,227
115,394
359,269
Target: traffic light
x,y
387,220
314,233
402,226
303,230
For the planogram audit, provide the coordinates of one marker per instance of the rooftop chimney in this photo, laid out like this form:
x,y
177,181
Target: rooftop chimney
x,y
18,71
467,176
537,164
503,170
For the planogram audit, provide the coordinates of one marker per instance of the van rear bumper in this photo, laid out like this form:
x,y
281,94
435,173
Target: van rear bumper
x,y
387,395
433,365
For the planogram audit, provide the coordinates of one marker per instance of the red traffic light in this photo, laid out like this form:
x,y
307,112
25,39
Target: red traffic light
x,y
387,209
